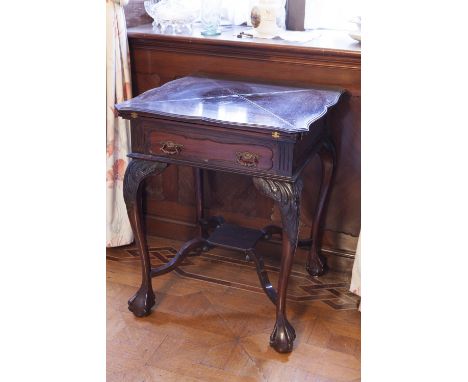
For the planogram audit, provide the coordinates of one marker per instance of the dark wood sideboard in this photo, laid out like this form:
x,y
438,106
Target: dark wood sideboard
x,y
333,59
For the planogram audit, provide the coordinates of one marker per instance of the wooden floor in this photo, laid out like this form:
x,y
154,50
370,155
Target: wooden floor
x,y
212,323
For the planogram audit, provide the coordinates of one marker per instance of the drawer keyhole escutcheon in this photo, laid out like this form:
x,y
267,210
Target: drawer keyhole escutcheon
x,y
247,159
171,148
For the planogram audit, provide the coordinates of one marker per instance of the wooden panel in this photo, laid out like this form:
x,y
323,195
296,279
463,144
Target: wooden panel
x,y
170,65
159,59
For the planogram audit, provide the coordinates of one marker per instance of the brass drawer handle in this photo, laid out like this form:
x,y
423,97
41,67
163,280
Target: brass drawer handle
x,y
171,148
247,159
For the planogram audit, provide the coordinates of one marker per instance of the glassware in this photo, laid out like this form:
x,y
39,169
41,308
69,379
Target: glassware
x,y
210,17
149,8
172,16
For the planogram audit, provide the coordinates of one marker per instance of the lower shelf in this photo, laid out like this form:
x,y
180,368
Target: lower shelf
x,y
235,237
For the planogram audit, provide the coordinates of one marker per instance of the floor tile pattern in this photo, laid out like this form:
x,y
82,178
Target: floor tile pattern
x,y
212,322
237,272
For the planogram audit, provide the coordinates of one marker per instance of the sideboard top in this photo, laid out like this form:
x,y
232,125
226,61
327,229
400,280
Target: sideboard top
x,y
327,43
234,103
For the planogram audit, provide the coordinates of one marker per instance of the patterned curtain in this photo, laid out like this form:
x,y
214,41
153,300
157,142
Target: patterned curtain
x,y
118,230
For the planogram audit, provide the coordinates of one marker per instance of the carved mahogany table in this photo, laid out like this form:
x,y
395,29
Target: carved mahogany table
x,y
268,132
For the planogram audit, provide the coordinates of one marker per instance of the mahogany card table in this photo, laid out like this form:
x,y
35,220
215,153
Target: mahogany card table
x,y
268,132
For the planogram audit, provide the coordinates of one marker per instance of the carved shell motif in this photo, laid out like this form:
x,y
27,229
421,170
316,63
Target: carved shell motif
x,y
138,170
287,195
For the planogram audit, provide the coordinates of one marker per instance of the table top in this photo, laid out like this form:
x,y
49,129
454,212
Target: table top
x,y
234,103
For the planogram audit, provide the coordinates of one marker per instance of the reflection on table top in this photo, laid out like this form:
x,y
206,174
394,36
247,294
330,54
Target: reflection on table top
x,y
236,103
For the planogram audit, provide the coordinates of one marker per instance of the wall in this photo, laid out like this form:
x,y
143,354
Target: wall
x,y
135,13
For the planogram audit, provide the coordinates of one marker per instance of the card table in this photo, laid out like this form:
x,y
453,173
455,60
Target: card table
x,y
266,131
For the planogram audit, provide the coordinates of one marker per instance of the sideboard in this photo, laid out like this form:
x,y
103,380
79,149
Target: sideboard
x,y
332,59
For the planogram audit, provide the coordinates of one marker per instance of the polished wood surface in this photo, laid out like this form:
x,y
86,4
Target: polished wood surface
x,y
267,115
330,43
212,322
331,60
235,104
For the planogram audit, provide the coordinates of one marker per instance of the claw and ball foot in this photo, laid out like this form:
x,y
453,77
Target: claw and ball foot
x,y
283,335
142,302
316,266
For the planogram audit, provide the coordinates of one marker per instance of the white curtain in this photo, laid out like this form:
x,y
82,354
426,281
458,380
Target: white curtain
x,y
118,230
323,14
355,286
331,14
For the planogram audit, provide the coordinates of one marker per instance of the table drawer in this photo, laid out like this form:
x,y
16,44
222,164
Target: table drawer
x,y
211,150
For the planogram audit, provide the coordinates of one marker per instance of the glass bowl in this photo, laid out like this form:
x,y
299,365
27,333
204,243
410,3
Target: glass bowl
x,y
173,16
176,16
149,8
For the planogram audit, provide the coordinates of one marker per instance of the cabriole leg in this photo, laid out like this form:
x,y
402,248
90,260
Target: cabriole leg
x,y
199,203
315,264
287,196
142,302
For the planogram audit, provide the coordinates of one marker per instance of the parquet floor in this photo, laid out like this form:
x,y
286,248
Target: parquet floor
x,y
212,322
